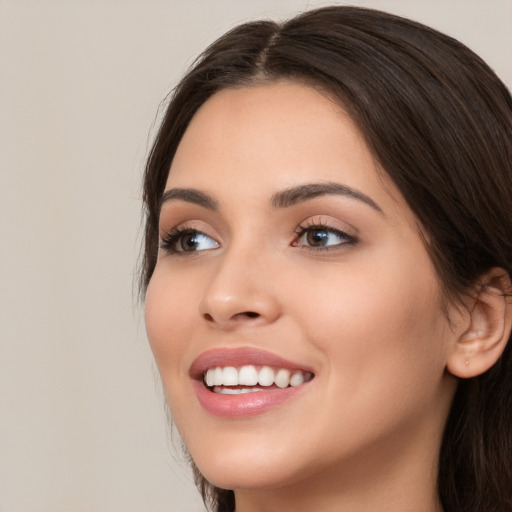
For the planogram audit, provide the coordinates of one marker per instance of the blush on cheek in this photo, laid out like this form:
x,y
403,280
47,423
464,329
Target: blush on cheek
x,y
159,321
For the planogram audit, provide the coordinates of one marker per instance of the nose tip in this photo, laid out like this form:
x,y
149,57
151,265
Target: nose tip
x,y
229,310
241,290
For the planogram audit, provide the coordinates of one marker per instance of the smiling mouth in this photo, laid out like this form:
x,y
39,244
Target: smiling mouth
x,y
231,380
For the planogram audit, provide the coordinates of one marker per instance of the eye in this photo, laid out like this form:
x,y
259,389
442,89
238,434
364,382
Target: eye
x,y
187,240
322,237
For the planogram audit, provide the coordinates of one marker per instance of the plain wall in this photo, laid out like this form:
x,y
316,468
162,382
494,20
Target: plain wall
x,y
82,422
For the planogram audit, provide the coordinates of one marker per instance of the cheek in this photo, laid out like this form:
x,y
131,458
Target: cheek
x,y
168,317
376,326
383,352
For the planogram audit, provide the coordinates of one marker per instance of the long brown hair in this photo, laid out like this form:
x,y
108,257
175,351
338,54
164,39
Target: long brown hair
x,y
439,121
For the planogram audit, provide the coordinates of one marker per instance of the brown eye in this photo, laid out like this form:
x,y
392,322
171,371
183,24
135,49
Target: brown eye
x,y
322,237
187,241
317,237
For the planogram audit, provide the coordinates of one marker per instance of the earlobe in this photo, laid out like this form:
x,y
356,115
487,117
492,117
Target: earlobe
x,y
488,328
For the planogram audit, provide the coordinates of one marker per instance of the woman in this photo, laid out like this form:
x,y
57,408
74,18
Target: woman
x,y
327,258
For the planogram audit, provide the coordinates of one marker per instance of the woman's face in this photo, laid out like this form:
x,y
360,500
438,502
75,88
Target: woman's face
x,y
284,246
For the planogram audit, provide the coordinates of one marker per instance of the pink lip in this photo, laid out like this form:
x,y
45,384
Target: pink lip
x,y
247,404
240,357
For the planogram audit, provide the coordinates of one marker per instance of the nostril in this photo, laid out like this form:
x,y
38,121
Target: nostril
x,y
238,316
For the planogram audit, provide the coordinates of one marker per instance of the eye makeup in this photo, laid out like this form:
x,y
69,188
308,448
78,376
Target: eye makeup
x,y
321,237
187,240
313,235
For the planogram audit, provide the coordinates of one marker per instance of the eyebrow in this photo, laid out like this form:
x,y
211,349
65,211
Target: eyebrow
x,y
294,195
190,195
282,199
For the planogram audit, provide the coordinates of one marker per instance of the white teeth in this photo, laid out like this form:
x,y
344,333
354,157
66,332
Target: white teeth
x,y
210,377
235,391
282,378
296,379
230,376
249,376
217,376
229,391
266,376
250,390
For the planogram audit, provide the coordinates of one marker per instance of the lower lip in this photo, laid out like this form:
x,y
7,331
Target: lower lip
x,y
246,404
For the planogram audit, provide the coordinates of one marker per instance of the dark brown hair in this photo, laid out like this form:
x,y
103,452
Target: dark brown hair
x,y
439,121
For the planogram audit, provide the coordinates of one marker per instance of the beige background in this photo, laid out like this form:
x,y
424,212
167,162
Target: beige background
x,y
82,426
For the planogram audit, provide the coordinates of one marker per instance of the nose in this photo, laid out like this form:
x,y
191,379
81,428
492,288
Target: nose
x,y
241,292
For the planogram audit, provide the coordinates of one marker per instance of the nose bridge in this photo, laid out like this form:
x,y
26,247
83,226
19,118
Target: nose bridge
x,y
240,289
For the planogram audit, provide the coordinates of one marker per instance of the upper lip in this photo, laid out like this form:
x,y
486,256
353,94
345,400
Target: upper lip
x,y
240,357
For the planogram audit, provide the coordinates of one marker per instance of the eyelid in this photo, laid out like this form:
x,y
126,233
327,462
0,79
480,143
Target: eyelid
x,y
168,237
179,223
320,223
327,222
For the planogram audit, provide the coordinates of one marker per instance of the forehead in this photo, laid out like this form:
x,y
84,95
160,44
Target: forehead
x,y
256,140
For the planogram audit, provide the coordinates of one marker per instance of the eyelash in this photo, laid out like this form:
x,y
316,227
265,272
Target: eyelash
x,y
311,226
169,241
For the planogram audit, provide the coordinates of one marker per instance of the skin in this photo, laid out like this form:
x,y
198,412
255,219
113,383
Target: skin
x,y
365,316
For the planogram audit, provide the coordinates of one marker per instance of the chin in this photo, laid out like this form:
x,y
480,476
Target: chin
x,y
233,466
257,477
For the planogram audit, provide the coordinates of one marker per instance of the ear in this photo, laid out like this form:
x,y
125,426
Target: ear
x,y
487,328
